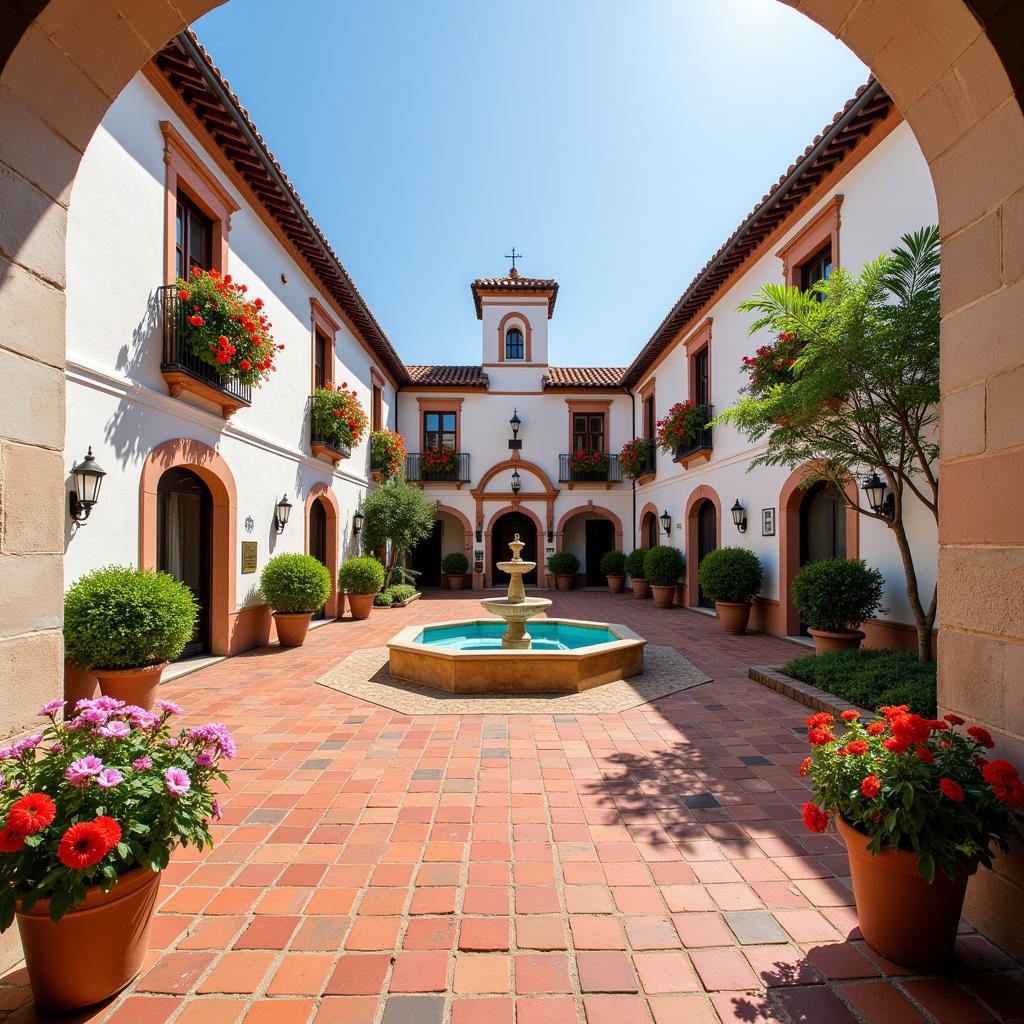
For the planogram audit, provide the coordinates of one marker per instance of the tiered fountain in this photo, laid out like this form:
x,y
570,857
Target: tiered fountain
x,y
483,656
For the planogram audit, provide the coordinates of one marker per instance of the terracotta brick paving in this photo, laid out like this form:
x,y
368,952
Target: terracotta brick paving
x,y
648,867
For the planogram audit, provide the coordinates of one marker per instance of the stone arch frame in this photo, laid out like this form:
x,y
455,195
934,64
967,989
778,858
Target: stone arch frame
x,y
467,528
325,493
527,337
488,539
210,467
705,492
790,499
589,509
950,65
649,509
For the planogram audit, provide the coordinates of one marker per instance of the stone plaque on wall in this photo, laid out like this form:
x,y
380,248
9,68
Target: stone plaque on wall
x,y
249,556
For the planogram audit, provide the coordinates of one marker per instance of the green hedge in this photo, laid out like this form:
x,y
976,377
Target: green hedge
x,y
395,593
838,594
361,576
664,566
731,574
564,563
613,563
635,563
293,584
870,678
118,617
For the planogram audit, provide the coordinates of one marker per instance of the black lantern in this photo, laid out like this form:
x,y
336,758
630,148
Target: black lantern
x,y
515,423
874,490
282,510
739,516
666,523
88,477
357,522
516,481
479,535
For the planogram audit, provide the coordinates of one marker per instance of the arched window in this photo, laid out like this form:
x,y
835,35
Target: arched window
x,y
514,347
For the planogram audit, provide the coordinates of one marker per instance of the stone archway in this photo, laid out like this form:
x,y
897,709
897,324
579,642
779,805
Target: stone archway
x,y
489,542
323,493
698,496
650,524
953,69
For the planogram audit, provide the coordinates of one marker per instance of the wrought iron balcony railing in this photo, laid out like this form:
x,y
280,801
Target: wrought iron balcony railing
x,y
701,443
568,474
419,470
650,466
319,444
183,369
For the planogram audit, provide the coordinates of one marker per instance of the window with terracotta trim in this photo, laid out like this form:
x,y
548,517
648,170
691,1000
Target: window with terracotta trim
x,y
650,419
377,408
440,430
588,432
817,268
515,344
321,347
193,237
321,354
810,255
700,376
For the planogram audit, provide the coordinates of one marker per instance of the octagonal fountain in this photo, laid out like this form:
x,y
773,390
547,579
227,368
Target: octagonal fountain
x,y
491,655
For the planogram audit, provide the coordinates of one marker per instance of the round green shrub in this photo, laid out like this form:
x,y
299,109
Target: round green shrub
x,y
455,564
635,563
294,584
838,594
401,591
613,563
385,599
564,563
663,566
119,617
731,574
361,576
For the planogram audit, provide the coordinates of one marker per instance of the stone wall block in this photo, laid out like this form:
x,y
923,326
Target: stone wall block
x,y
31,480
976,253
32,314
962,422
983,339
33,228
31,594
32,410
981,588
31,668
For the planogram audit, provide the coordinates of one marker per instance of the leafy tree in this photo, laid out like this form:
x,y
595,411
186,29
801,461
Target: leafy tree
x,y
852,387
398,517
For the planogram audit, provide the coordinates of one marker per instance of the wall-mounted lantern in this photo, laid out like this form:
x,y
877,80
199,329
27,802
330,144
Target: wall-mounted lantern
x,y
881,504
282,510
666,523
357,522
88,478
739,516
516,481
515,423
479,535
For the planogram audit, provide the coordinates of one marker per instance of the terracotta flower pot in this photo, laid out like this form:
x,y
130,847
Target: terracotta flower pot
x,y
641,589
91,953
292,627
360,605
900,914
616,584
132,685
564,582
78,685
825,641
733,615
456,581
664,596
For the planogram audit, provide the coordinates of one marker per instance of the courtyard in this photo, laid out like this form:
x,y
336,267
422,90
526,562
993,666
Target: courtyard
x,y
651,865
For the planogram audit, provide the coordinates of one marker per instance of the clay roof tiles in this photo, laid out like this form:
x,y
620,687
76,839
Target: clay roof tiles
x,y
515,283
448,376
584,377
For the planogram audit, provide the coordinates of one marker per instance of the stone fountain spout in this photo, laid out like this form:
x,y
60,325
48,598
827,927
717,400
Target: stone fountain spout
x,y
515,607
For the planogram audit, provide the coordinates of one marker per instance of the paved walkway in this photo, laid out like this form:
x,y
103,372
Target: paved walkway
x,y
648,867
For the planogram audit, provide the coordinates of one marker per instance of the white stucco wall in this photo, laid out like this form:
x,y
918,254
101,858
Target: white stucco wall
x,y
117,400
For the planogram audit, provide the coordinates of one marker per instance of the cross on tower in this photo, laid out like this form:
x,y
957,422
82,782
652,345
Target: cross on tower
x,y
513,256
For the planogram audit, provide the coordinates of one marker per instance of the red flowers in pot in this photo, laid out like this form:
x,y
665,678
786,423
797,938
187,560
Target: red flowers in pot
x,y
919,806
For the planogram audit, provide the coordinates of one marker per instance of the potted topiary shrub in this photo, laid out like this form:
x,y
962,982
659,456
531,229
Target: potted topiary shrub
x,y
564,565
834,596
663,567
455,566
90,810
613,565
361,578
124,625
732,578
635,571
294,586
919,806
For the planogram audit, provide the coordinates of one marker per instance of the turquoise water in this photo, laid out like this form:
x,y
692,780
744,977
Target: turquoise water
x,y
486,636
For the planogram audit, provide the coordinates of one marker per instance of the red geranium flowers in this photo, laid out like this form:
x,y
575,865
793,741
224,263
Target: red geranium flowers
x,y
30,814
83,845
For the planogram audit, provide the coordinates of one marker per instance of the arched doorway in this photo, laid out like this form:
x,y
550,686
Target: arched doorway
x,y
318,542
184,527
589,532
707,541
425,559
503,532
822,524
649,527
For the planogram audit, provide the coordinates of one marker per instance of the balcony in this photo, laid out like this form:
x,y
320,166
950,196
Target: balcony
x,y
183,371
700,446
457,474
321,447
650,467
569,476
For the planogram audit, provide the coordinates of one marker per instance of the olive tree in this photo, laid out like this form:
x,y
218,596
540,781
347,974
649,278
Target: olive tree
x,y
398,516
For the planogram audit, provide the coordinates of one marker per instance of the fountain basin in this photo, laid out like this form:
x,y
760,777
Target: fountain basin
x,y
566,656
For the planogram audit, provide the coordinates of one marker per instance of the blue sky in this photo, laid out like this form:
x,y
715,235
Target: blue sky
x,y
615,144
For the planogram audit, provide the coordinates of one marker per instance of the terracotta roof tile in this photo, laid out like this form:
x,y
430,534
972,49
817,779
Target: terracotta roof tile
x,y
515,282
584,377
448,376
